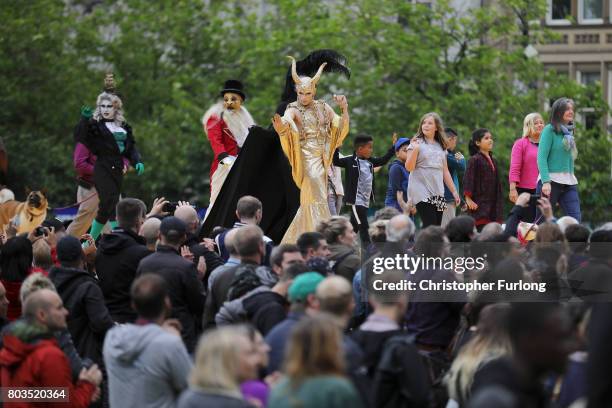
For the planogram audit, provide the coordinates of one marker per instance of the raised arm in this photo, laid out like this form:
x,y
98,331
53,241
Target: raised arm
x,y
413,154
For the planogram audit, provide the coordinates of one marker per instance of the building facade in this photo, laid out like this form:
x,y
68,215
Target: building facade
x,y
583,50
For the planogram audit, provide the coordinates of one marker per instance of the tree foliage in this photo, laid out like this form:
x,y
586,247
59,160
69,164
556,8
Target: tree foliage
x,y
170,59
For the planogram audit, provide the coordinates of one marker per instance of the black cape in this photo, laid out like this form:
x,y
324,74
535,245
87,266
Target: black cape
x,y
263,171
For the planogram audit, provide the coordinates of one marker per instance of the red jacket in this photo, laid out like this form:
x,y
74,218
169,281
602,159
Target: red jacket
x,y
221,141
40,364
12,294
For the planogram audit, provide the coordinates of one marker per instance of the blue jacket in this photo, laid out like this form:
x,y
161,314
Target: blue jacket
x,y
454,167
398,181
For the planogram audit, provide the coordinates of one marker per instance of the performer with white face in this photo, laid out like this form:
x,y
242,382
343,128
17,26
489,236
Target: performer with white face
x,y
108,136
226,125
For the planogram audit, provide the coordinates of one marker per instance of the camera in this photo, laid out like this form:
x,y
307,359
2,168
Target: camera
x,y
39,231
170,207
533,200
84,242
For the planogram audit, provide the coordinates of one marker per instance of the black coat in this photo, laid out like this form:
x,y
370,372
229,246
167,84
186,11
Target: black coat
x,y
88,319
100,141
263,171
351,177
184,289
117,259
265,310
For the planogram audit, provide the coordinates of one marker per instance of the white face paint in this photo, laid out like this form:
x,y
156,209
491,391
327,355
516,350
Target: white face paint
x,y
107,110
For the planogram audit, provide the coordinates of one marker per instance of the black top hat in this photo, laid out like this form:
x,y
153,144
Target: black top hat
x,y
235,86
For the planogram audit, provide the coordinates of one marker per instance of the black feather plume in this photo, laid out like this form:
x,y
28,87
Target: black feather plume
x,y
308,66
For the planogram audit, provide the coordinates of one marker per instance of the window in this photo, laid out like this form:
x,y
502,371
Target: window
x,y
587,116
559,12
588,78
426,3
590,11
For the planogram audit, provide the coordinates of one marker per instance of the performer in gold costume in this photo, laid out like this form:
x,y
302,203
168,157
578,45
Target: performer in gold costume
x,y
310,131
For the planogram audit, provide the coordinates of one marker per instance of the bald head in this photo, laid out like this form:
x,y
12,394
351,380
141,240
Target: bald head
x,y
335,296
150,230
229,242
189,216
45,307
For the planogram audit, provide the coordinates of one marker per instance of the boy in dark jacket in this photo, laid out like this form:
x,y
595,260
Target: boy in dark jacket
x,y
359,182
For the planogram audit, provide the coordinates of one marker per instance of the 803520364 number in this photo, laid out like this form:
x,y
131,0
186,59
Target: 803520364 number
x,y
34,394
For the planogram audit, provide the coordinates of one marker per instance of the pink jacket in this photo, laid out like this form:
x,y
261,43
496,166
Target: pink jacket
x,y
524,163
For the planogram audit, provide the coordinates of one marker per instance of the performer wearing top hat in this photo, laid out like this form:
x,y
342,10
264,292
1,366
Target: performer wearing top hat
x,y
263,159
226,125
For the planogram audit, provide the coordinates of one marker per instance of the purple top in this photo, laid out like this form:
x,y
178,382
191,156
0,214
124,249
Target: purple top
x,y
255,390
84,161
524,163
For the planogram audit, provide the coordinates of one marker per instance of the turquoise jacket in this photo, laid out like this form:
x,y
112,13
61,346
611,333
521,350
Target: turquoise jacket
x,y
327,391
552,155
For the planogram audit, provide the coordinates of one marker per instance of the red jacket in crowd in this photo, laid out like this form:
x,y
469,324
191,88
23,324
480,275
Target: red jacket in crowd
x,y
40,363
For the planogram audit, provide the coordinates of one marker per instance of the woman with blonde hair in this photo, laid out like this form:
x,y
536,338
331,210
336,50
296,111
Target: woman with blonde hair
x,y
523,173
314,368
490,342
225,358
426,162
340,237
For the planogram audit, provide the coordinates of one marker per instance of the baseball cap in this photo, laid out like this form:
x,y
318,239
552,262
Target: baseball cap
x,y
69,249
172,225
400,142
304,285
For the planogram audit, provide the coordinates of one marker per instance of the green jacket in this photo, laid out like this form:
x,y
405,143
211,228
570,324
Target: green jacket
x,y
322,391
552,155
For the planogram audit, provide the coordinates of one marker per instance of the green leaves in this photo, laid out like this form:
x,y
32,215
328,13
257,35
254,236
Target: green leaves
x,y
170,60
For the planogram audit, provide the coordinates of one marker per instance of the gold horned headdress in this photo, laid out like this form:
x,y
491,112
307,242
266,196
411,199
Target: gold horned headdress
x,y
305,83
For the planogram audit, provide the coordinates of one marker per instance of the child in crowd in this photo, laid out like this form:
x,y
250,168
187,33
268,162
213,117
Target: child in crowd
x,y
359,183
456,164
481,184
398,177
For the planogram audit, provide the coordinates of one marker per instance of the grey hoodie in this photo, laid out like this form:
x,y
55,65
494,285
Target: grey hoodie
x,y
233,312
147,366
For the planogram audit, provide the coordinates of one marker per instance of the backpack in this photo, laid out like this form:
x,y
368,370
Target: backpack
x,y
340,259
401,379
245,280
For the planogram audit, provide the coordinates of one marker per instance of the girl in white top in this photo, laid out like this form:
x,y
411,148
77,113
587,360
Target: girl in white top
x,y
428,169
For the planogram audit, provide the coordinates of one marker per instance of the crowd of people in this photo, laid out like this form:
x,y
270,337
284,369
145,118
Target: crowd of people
x,y
149,314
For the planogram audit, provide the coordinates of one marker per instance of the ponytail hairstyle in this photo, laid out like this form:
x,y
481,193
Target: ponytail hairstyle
x,y
477,136
439,136
334,228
